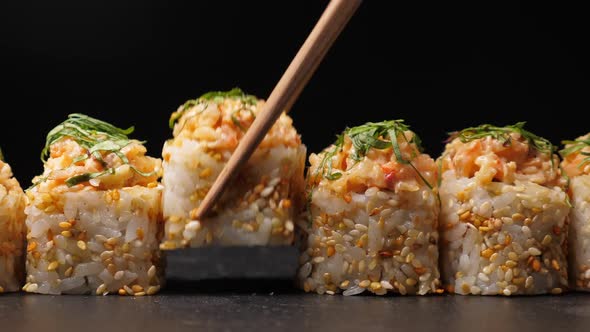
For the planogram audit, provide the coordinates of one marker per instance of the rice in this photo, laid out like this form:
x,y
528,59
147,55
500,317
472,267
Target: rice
x,y
372,221
504,215
576,165
260,206
95,234
12,231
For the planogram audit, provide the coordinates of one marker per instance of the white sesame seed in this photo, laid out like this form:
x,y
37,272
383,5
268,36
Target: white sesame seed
x,y
151,272
534,251
361,227
266,192
119,275
31,288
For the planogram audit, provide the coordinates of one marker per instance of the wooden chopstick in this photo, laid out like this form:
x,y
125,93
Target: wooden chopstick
x,y
319,41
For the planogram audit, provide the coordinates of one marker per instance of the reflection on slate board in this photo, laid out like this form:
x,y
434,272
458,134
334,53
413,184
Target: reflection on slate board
x,y
279,262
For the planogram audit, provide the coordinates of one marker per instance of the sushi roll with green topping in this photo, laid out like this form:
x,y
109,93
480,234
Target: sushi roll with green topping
x,y
372,215
12,230
576,165
504,213
260,207
94,216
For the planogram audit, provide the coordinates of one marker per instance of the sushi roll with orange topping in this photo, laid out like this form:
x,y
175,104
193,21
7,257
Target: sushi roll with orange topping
x,y
12,230
373,215
94,216
576,165
260,207
503,213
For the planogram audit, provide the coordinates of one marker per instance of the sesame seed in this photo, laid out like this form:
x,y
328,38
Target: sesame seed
x,y
318,259
151,272
289,226
534,251
128,290
137,288
81,244
465,215
153,290
518,217
487,253
31,246
65,225
101,289
140,294
546,240
365,283
330,251
555,264
465,288
556,291
386,284
512,288
266,192
375,285
31,288
52,266
411,282
69,272
122,291
66,234
205,173
344,284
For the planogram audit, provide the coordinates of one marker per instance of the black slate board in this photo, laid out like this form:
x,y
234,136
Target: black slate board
x,y
255,305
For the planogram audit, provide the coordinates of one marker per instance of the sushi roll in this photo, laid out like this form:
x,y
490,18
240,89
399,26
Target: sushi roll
x,y
576,165
372,215
504,213
259,208
12,230
94,215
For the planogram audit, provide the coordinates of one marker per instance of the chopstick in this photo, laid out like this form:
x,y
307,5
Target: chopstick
x,y
319,41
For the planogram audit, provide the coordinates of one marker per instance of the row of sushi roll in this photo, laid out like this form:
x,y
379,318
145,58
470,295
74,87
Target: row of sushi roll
x,y
492,213
497,213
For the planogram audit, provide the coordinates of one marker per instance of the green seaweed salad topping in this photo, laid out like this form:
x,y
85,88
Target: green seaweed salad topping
x,y
502,134
217,97
577,146
372,135
97,137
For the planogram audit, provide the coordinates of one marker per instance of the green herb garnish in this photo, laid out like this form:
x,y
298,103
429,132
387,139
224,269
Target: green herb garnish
x,y
577,146
96,137
1,155
215,97
380,135
503,135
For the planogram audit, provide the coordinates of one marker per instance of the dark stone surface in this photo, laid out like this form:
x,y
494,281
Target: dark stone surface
x,y
247,289
259,305
232,262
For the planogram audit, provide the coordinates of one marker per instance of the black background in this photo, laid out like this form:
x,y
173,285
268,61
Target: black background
x,y
134,63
